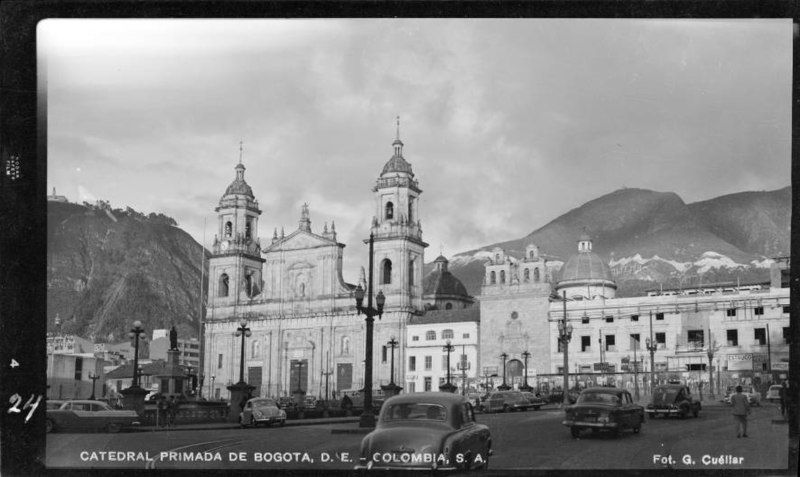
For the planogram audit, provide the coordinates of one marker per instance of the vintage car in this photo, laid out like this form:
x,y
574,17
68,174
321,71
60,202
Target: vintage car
x,y
81,415
604,408
774,393
55,403
258,411
535,401
506,401
672,400
753,396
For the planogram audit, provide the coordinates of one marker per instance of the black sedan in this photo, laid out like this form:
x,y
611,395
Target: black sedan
x,y
604,408
673,400
434,431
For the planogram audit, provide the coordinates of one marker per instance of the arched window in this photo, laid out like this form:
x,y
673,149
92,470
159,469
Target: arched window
x,y
389,211
492,278
527,275
228,229
531,254
247,227
255,349
430,335
223,284
447,334
410,209
502,276
248,283
411,273
302,289
536,274
345,347
448,306
386,272
497,257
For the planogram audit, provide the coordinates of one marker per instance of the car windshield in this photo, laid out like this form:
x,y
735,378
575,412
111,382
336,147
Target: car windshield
x,y
598,397
665,395
263,403
414,412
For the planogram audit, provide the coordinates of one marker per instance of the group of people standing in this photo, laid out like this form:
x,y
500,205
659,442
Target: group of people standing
x,y
167,410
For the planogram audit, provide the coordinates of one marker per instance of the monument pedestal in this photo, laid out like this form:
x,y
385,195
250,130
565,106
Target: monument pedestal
x,y
133,398
240,393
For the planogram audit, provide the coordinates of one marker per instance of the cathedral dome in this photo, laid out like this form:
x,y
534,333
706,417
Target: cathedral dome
x,y
585,266
239,186
441,283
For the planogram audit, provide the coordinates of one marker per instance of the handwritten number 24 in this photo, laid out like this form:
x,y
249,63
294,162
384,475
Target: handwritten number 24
x,y
15,401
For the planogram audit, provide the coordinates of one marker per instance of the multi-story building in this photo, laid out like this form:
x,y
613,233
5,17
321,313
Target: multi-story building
x,y
71,364
189,350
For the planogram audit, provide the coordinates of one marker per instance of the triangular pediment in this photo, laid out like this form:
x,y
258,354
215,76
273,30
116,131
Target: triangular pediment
x,y
300,240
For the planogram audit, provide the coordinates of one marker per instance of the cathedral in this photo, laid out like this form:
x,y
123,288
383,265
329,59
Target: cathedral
x,y
304,332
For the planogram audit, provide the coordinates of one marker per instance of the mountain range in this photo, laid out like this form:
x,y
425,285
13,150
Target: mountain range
x,y
107,267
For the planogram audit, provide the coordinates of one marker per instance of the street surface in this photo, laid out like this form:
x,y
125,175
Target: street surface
x,y
522,440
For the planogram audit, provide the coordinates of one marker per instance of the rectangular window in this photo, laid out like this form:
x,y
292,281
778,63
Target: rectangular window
x,y
760,335
759,310
661,338
412,387
412,363
732,337
465,336
786,309
695,338
635,340
610,343
609,319
659,316
585,320
415,338
427,383
730,312
78,368
787,335
428,363
634,317
219,361
383,354
586,342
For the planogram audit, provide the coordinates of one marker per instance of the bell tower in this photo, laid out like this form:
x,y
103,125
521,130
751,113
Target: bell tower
x,y
399,249
236,263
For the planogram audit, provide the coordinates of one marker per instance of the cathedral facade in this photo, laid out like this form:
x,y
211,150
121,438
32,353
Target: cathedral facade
x,y
305,332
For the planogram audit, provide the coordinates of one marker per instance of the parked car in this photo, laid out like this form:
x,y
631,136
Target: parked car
x,y
75,415
604,408
54,403
557,396
673,400
774,393
535,401
261,411
506,401
429,430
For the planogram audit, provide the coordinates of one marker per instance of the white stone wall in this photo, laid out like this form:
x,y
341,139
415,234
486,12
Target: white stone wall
x,y
422,347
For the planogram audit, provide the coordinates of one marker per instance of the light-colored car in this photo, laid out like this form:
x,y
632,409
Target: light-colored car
x,y
82,415
261,411
774,393
431,430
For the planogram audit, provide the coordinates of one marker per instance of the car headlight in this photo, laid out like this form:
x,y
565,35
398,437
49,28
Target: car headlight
x,y
258,414
604,417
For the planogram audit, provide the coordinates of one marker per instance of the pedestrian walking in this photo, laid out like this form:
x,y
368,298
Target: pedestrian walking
x,y
172,410
741,408
161,406
783,395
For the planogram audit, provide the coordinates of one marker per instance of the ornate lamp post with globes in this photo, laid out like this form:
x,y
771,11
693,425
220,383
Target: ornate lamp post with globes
x,y
391,389
525,386
134,395
241,391
504,386
448,387
368,416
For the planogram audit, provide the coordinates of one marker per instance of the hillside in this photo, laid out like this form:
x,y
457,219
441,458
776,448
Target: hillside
x,y
654,238
109,267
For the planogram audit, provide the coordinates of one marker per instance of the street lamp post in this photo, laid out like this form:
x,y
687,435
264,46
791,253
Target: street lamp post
x,y
368,417
564,337
241,391
448,386
213,394
244,332
392,344
636,370
463,365
134,395
327,375
525,386
711,350
136,332
651,347
504,386
94,379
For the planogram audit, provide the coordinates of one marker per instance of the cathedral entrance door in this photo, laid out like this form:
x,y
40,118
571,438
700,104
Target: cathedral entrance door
x,y
344,376
254,379
298,375
515,368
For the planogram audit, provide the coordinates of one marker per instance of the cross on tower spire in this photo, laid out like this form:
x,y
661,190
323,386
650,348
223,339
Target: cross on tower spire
x,y
398,128
240,152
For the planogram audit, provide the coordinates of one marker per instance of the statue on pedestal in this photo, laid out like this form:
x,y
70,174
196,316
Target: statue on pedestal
x,y
173,338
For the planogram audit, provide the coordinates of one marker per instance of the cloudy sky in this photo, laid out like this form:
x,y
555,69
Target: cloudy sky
x,y
507,123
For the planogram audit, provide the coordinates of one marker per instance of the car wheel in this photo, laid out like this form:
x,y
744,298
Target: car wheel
x,y
505,408
241,421
253,422
575,431
282,423
695,412
637,429
684,411
49,426
467,461
113,427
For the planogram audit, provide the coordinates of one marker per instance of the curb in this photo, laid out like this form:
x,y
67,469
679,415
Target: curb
x,y
231,425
